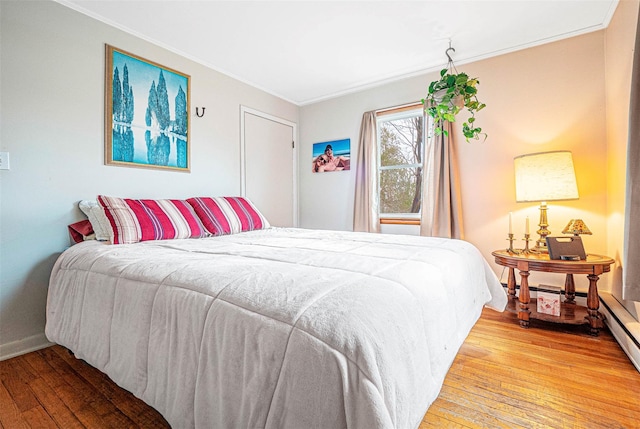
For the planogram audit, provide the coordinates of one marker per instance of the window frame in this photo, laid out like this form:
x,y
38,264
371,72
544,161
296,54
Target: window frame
x,y
388,115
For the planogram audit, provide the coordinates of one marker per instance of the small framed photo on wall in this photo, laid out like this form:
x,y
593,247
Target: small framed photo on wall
x,y
331,156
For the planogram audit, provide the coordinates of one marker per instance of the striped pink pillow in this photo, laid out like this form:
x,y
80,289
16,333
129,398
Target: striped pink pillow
x,y
140,220
228,215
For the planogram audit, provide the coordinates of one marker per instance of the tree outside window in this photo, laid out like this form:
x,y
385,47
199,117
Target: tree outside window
x,y
401,149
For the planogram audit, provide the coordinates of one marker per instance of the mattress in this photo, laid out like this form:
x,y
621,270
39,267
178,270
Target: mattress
x,y
274,328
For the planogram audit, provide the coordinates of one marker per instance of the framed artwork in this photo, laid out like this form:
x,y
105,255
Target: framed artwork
x,y
331,156
146,113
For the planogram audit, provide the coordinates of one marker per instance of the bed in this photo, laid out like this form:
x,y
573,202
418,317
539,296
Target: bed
x,y
276,327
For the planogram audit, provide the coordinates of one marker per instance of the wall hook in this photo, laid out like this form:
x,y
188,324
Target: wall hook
x,y
198,113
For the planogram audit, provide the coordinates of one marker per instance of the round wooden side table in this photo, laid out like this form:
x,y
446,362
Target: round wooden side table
x,y
570,312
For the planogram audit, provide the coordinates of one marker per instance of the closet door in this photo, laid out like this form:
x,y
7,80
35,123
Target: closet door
x,y
269,165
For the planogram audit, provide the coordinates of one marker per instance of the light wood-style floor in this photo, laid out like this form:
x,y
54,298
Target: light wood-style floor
x,y
547,376
503,377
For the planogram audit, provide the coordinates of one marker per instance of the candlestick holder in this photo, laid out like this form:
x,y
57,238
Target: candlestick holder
x,y
511,249
526,250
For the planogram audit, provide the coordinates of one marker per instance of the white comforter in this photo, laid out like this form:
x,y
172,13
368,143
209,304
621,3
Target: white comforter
x,y
278,328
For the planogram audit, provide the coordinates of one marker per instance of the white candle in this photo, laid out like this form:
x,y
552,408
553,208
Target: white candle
x,y
510,224
526,226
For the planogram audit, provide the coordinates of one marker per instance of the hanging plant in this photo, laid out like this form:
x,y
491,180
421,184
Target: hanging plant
x,y
450,95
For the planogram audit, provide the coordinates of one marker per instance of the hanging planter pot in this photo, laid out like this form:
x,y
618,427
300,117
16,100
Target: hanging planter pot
x,y
442,97
449,96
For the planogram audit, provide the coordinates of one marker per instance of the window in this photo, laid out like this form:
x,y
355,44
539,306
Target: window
x,y
401,151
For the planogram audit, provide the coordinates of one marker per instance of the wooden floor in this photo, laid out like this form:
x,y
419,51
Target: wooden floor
x,y
547,376
503,377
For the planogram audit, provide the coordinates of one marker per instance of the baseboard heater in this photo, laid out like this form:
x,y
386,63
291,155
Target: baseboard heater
x,y
624,327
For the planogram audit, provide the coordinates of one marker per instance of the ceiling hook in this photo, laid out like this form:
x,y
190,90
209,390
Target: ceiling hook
x,y
447,52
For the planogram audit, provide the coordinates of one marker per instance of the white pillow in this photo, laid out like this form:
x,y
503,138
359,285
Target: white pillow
x,y
99,221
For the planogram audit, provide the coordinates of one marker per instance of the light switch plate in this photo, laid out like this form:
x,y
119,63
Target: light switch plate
x,y
4,160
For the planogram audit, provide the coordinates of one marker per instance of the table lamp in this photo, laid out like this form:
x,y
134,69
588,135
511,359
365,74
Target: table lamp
x,y
576,227
542,177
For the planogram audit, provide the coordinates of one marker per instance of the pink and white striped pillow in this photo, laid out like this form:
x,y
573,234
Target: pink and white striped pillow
x,y
140,220
228,215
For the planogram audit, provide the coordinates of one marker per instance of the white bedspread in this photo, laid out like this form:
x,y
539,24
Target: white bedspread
x,y
278,328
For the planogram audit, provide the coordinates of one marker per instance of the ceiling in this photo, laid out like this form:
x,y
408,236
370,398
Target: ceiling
x,y
308,51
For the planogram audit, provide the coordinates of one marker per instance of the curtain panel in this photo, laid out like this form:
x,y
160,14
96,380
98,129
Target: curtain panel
x,y
441,214
631,285
366,217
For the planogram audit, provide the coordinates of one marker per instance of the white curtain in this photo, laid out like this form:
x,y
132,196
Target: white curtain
x,y
441,214
366,215
631,286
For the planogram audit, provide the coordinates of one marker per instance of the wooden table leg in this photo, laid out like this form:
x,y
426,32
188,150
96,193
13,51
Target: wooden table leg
x,y
511,284
524,298
593,303
569,290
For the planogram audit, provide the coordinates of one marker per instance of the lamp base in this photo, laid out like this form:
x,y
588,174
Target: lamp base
x,y
541,243
540,247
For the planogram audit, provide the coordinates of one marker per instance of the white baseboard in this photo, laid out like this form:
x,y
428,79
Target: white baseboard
x,y
26,345
624,327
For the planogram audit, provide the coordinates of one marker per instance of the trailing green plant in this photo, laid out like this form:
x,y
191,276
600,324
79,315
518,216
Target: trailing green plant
x,y
448,96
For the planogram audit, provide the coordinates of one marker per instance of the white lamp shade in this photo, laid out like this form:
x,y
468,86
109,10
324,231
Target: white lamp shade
x,y
546,176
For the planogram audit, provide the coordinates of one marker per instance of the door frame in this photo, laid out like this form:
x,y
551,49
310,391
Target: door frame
x,y
244,110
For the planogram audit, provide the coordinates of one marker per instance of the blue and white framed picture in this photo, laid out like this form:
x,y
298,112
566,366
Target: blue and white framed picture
x,y
331,156
146,113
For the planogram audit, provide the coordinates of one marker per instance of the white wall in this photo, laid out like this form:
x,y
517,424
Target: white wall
x,y
326,199
544,98
51,100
